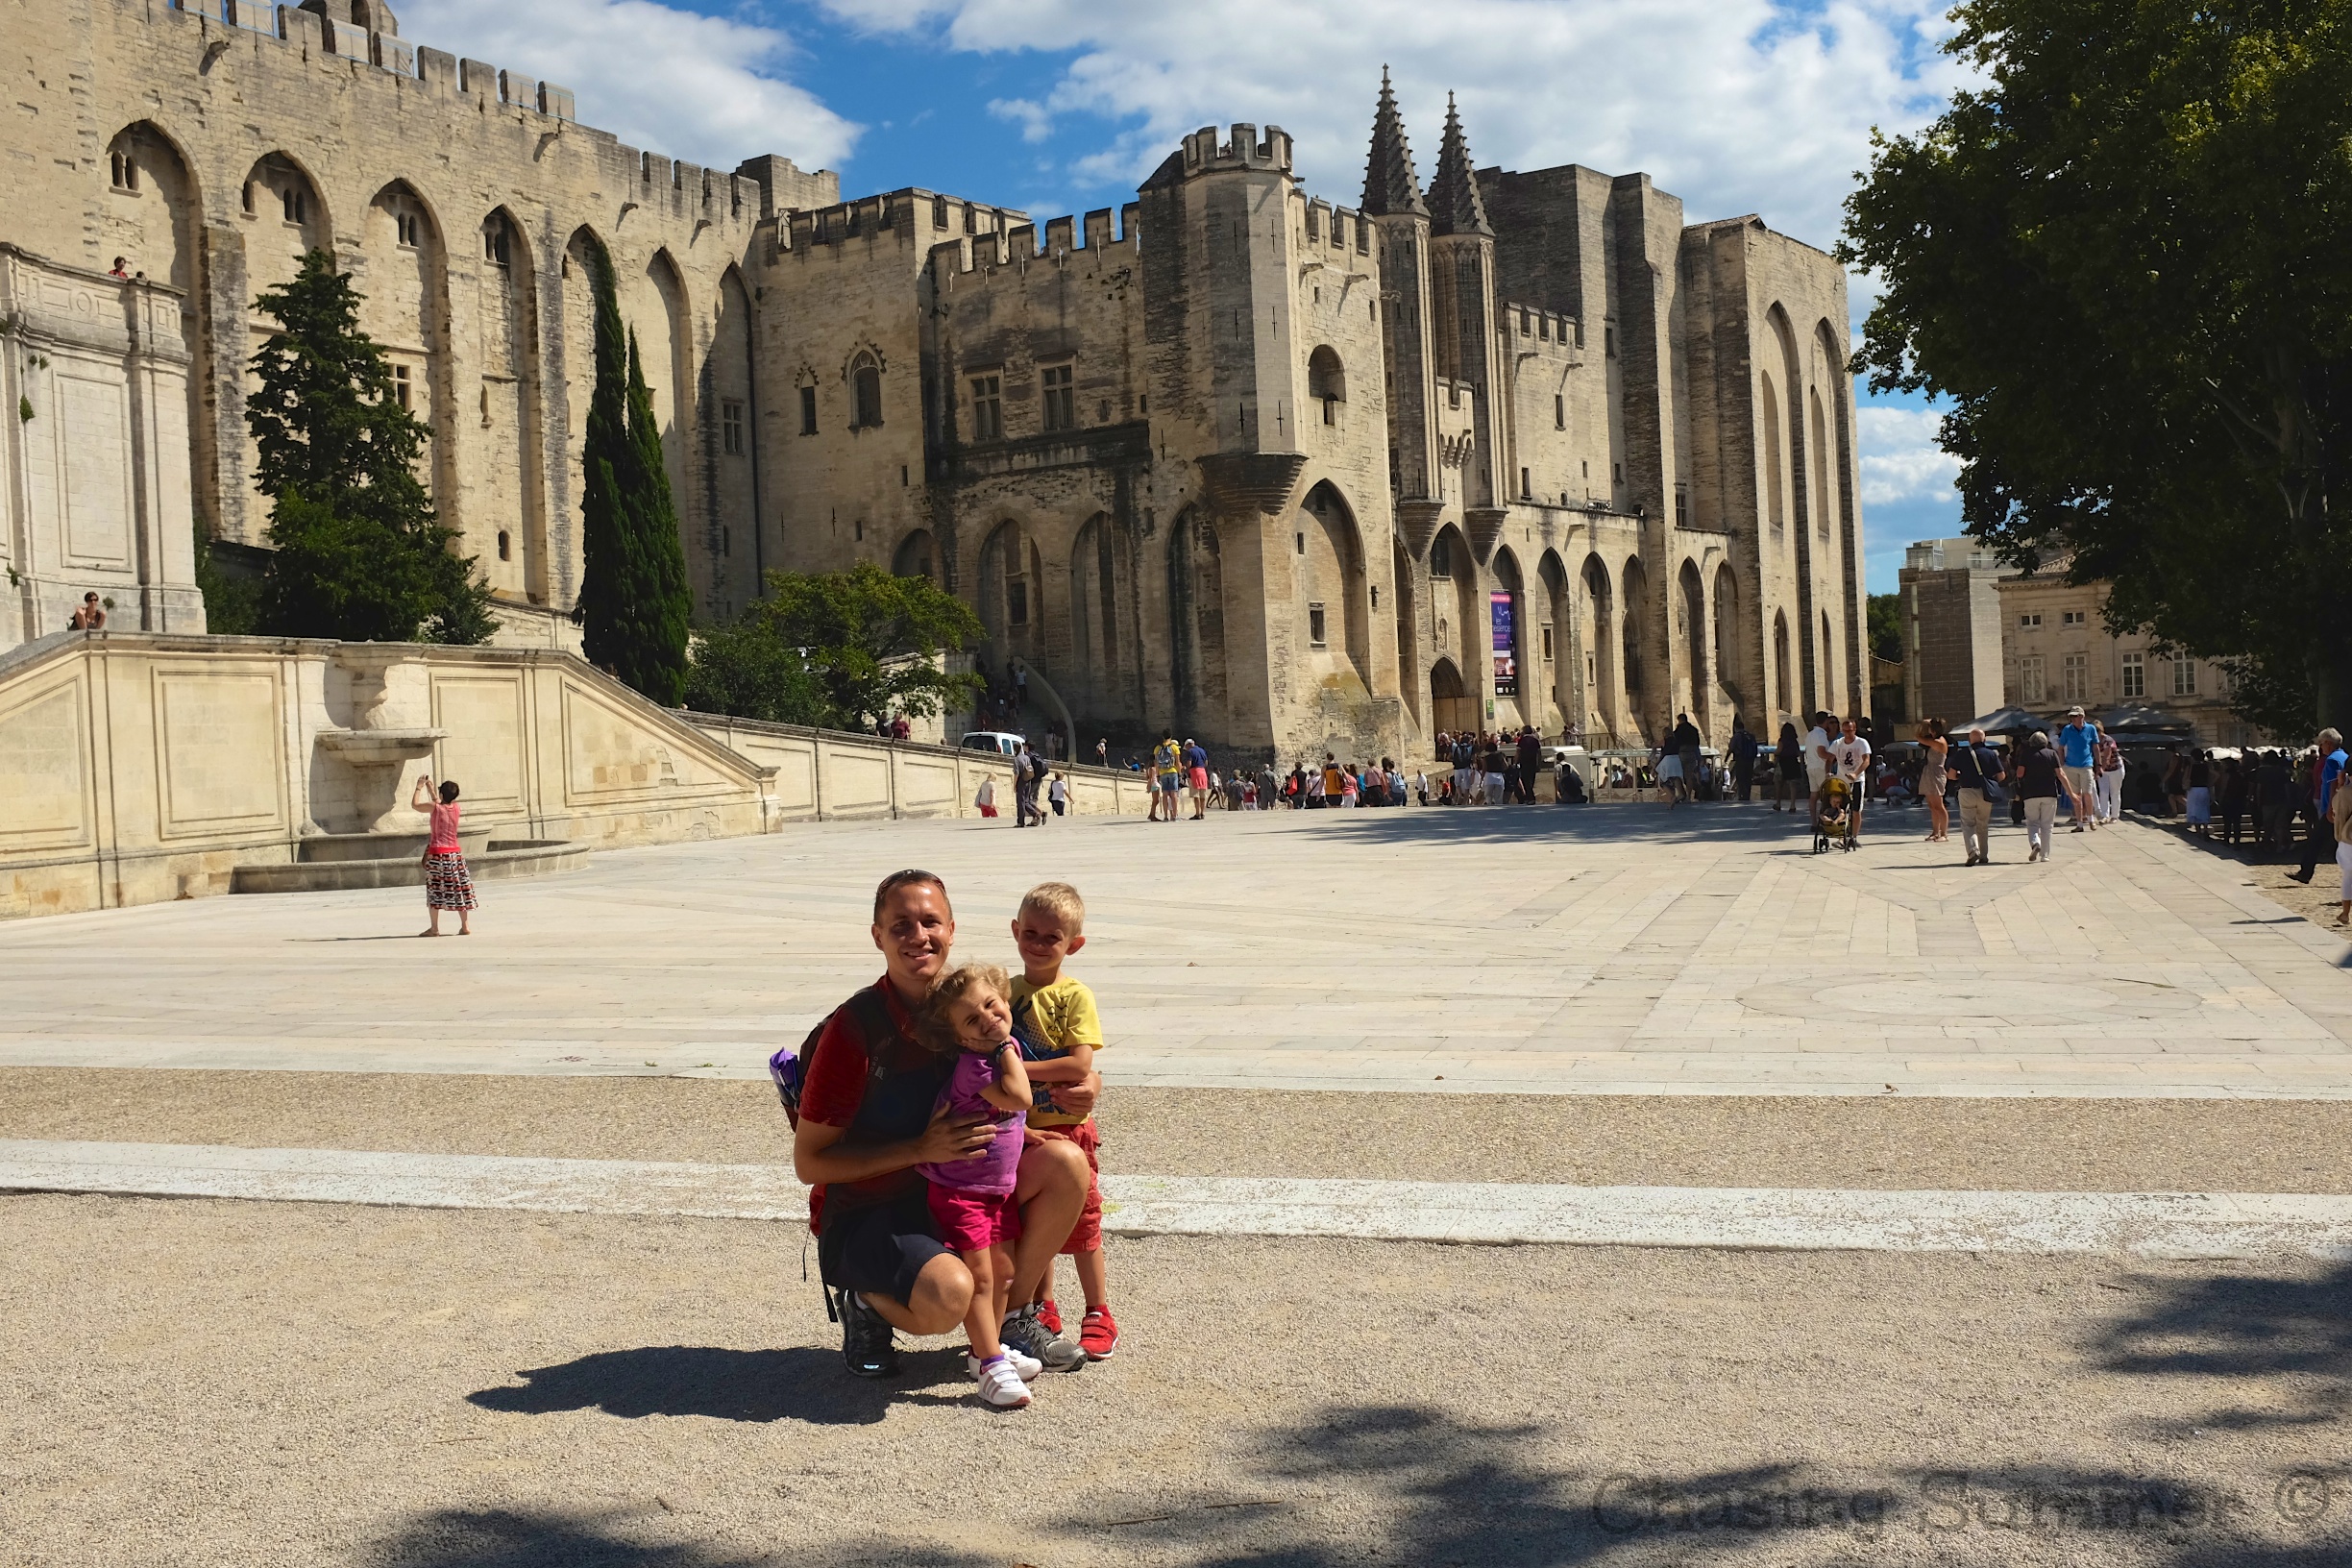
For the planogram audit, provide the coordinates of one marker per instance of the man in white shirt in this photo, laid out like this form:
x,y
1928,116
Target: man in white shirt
x,y
1816,759
1852,754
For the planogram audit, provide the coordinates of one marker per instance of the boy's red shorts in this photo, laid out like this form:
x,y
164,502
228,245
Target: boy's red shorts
x,y
1087,1235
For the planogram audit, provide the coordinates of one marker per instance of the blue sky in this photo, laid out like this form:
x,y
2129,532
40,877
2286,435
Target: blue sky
x,y
1058,106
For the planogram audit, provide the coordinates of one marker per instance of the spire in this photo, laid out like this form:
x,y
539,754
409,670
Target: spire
x,y
1456,206
1390,186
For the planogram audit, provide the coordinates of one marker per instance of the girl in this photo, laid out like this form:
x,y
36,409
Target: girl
x,y
970,1011
1931,779
447,883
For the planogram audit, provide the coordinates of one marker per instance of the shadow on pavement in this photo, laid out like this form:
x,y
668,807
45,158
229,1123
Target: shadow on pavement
x,y
516,1538
1410,1485
2233,1328
801,1384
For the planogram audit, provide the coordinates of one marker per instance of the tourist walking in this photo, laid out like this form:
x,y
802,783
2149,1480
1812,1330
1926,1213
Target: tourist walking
x,y
1937,746
447,885
1685,741
1024,788
2040,782
2200,795
1976,774
2109,779
985,797
2327,762
2077,753
1788,767
1058,791
1168,774
1743,758
1852,753
2339,818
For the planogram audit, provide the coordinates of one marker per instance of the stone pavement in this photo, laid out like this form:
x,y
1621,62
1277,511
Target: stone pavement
x,y
1607,950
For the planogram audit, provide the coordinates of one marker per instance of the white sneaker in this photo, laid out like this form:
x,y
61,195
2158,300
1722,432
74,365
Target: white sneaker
x,y
1024,1367
1000,1385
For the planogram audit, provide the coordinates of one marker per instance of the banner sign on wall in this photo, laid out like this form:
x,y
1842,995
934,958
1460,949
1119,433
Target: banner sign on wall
x,y
1505,645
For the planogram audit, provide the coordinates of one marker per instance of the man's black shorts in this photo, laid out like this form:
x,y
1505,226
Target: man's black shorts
x,y
879,1248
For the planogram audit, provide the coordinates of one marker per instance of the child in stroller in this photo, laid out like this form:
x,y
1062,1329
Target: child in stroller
x,y
1833,817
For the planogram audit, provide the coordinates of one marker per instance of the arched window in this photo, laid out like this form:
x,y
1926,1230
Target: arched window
x,y
1327,383
865,386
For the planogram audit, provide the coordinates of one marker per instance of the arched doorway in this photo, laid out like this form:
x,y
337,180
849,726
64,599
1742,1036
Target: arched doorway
x,y
1407,629
1505,630
1600,649
1548,643
1331,583
1452,709
915,557
1695,641
1635,615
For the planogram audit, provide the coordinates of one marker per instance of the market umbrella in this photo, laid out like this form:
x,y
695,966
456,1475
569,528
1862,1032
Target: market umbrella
x,y
2006,722
2140,716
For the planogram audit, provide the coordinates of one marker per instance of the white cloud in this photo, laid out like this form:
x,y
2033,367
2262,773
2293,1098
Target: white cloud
x,y
1900,460
695,87
1736,105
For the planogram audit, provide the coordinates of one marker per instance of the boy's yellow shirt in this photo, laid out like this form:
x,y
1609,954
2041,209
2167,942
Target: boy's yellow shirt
x,y
1048,1021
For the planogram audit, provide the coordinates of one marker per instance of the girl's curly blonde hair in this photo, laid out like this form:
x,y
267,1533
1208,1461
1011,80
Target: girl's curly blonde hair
x,y
932,1025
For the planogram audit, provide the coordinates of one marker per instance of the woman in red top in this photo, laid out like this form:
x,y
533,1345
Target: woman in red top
x,y
447,885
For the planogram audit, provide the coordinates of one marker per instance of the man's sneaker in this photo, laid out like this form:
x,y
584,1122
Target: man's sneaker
x,y
867,1344
1049,1314
1024,1333
1000,1385
1098,1333
1022,1367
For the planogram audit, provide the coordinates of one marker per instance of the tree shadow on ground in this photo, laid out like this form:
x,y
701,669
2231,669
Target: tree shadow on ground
x,y
1409,1484
802,1383
616,1538
1705,821
2234,1328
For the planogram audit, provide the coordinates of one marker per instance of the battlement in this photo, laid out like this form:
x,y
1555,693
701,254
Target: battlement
x,y
365,34
1202,153
910,215
1532,327
1017,244
1341,231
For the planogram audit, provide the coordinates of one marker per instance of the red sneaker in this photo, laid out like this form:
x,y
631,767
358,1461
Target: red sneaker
x,y
1049,1314
1098,1333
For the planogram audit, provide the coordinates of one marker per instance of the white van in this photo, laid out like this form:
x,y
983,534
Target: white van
x,y
1003,743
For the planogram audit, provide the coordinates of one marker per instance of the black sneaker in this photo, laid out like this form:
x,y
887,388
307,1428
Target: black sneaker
x,y
867,1344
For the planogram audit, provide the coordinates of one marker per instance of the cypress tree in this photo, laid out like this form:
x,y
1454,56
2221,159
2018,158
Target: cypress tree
x,y
663,604
359,552
634,602
606,461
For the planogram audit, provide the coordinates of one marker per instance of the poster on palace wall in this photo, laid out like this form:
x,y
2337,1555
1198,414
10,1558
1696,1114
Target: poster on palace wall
x,y
1506,657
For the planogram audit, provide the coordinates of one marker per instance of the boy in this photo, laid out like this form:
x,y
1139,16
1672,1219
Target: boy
x,y
1060,1031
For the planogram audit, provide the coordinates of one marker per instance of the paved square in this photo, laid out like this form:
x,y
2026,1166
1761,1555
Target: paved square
x,y
1618,949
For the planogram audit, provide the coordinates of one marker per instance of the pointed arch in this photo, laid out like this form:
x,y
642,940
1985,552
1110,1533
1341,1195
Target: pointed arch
x,y
1601,647
1408,628
1506,646
1454,707
665,332
574,377
1453,601
1196,612
1634,597
1551,643
1694,618
1730,639
916,556
733,545
1334,608
152,217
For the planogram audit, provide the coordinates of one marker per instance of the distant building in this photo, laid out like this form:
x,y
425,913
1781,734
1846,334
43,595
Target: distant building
x,y
2056,652
1952,630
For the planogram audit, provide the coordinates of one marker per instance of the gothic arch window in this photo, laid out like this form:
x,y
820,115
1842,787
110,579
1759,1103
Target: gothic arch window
x,y
1327,383
866,390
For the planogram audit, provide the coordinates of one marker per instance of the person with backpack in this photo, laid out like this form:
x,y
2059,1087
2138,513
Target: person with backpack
x,y
861,1097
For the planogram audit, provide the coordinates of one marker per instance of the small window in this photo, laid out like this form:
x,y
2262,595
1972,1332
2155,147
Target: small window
x,y
292,201
1608,341
939,212
248,198
1302,542
2028,622
1526,486
400,385
1559,411
2135,675
865,380
808,411
494,244
1061,410
731,426
2183,677
1016,603
126,173
1441,556
505,546
1617,471
2032,687
1681,507
987,407
405,228
2070,617
2076,667
1546,645
726,540
1314,625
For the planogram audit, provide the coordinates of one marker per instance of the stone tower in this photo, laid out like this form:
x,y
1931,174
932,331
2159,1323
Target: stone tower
x,y
1401,219
1463,312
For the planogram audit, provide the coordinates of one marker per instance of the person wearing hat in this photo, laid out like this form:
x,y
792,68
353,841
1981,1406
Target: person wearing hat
x,y
2078,748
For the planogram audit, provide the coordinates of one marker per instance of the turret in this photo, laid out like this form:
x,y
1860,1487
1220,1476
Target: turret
x,y
1463,312
1392,200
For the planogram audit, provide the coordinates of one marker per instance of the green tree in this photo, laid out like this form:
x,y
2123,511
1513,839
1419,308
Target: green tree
x,y
232,602
634,603
2125,264
1885,620
838,648
359,553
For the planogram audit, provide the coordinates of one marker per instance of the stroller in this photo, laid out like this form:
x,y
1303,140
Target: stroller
x,y
1833,817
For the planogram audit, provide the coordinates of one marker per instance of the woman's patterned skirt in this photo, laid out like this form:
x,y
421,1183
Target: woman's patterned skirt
x,y
447,885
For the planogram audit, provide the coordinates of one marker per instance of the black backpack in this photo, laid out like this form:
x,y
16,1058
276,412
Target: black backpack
x,y
875,1029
